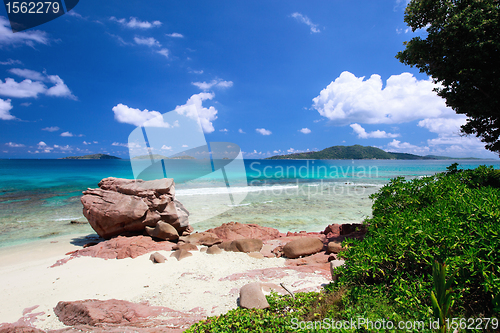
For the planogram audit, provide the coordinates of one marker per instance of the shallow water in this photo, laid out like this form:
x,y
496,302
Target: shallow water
x,y
39,198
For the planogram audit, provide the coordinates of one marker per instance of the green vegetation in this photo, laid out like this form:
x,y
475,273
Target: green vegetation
x,y
461,52
356,152
92,157
452,218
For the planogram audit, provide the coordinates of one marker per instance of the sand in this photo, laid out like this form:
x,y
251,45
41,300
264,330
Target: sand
x,y
203,283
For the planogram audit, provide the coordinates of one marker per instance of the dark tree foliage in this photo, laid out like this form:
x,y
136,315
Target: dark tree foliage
x,y
462,53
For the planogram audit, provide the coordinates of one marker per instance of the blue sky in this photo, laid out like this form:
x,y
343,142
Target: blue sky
x,y
271,76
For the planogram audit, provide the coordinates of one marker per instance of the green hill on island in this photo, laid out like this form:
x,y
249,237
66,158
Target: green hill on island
x,y
92,157
356,152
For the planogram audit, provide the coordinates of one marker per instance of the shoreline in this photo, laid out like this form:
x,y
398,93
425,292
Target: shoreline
x,y
194,288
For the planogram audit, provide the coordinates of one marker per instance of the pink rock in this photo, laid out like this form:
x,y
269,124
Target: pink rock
x,y
302,247
121,206
123,247
113,311
201,238
234,230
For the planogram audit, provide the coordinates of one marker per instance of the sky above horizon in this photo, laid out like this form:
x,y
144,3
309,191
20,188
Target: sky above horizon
x,y
274,77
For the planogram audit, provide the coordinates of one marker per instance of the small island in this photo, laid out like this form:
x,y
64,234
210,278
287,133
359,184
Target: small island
x,y
357,152
92,157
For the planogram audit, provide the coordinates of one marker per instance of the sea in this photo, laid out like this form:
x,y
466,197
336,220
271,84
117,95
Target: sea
x,y
40,198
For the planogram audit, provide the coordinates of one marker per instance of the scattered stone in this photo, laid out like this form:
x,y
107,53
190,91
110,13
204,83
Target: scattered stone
x,y
214,249
181,254
78,222
201,238
157,258
204,249
246,245
225,245
334,264
163,231
334,247
252,297
186,246
302,247
113,311
256,255
234,230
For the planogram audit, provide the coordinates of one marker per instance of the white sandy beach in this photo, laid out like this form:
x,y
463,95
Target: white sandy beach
x,y
199,282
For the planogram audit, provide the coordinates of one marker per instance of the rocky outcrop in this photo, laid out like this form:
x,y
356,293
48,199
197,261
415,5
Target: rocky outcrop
x,y
163,231
201,238
302,247
120,206
93,312
123,247
234,230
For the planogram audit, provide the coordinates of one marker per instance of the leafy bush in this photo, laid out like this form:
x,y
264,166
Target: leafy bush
x,y
452,217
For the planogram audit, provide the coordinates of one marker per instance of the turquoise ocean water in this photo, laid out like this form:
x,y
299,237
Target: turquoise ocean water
x,y
39,198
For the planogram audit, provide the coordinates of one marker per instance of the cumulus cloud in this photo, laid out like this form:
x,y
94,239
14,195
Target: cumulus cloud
x,y
362,134
350,99
33,85
135,23
165,147
136,117
214,83
30,38
263,131
241,131
224,130
150,41
175,35
205,115
304,19
5,107
51,129
67,134
305,130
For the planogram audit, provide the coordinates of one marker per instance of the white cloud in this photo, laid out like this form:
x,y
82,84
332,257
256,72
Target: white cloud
x,y
23,89
135,23
128,115
350,99
14,145
67,134
87,143
224,130
214,83
401,145
263,131
7,37
33,85
120,144
196,72
147,41
28,74
185,146
51,129
304,19
305,130
205,115
362,134
175,35
5,108
164,52
164,147
241,131
11,62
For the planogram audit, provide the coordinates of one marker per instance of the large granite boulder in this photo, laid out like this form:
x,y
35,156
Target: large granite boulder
x,y
235,230
302,247
113,311
120,206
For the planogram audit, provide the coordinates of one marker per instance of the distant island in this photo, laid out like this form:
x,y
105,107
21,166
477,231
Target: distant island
x,y
358,152
92,157
161,157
